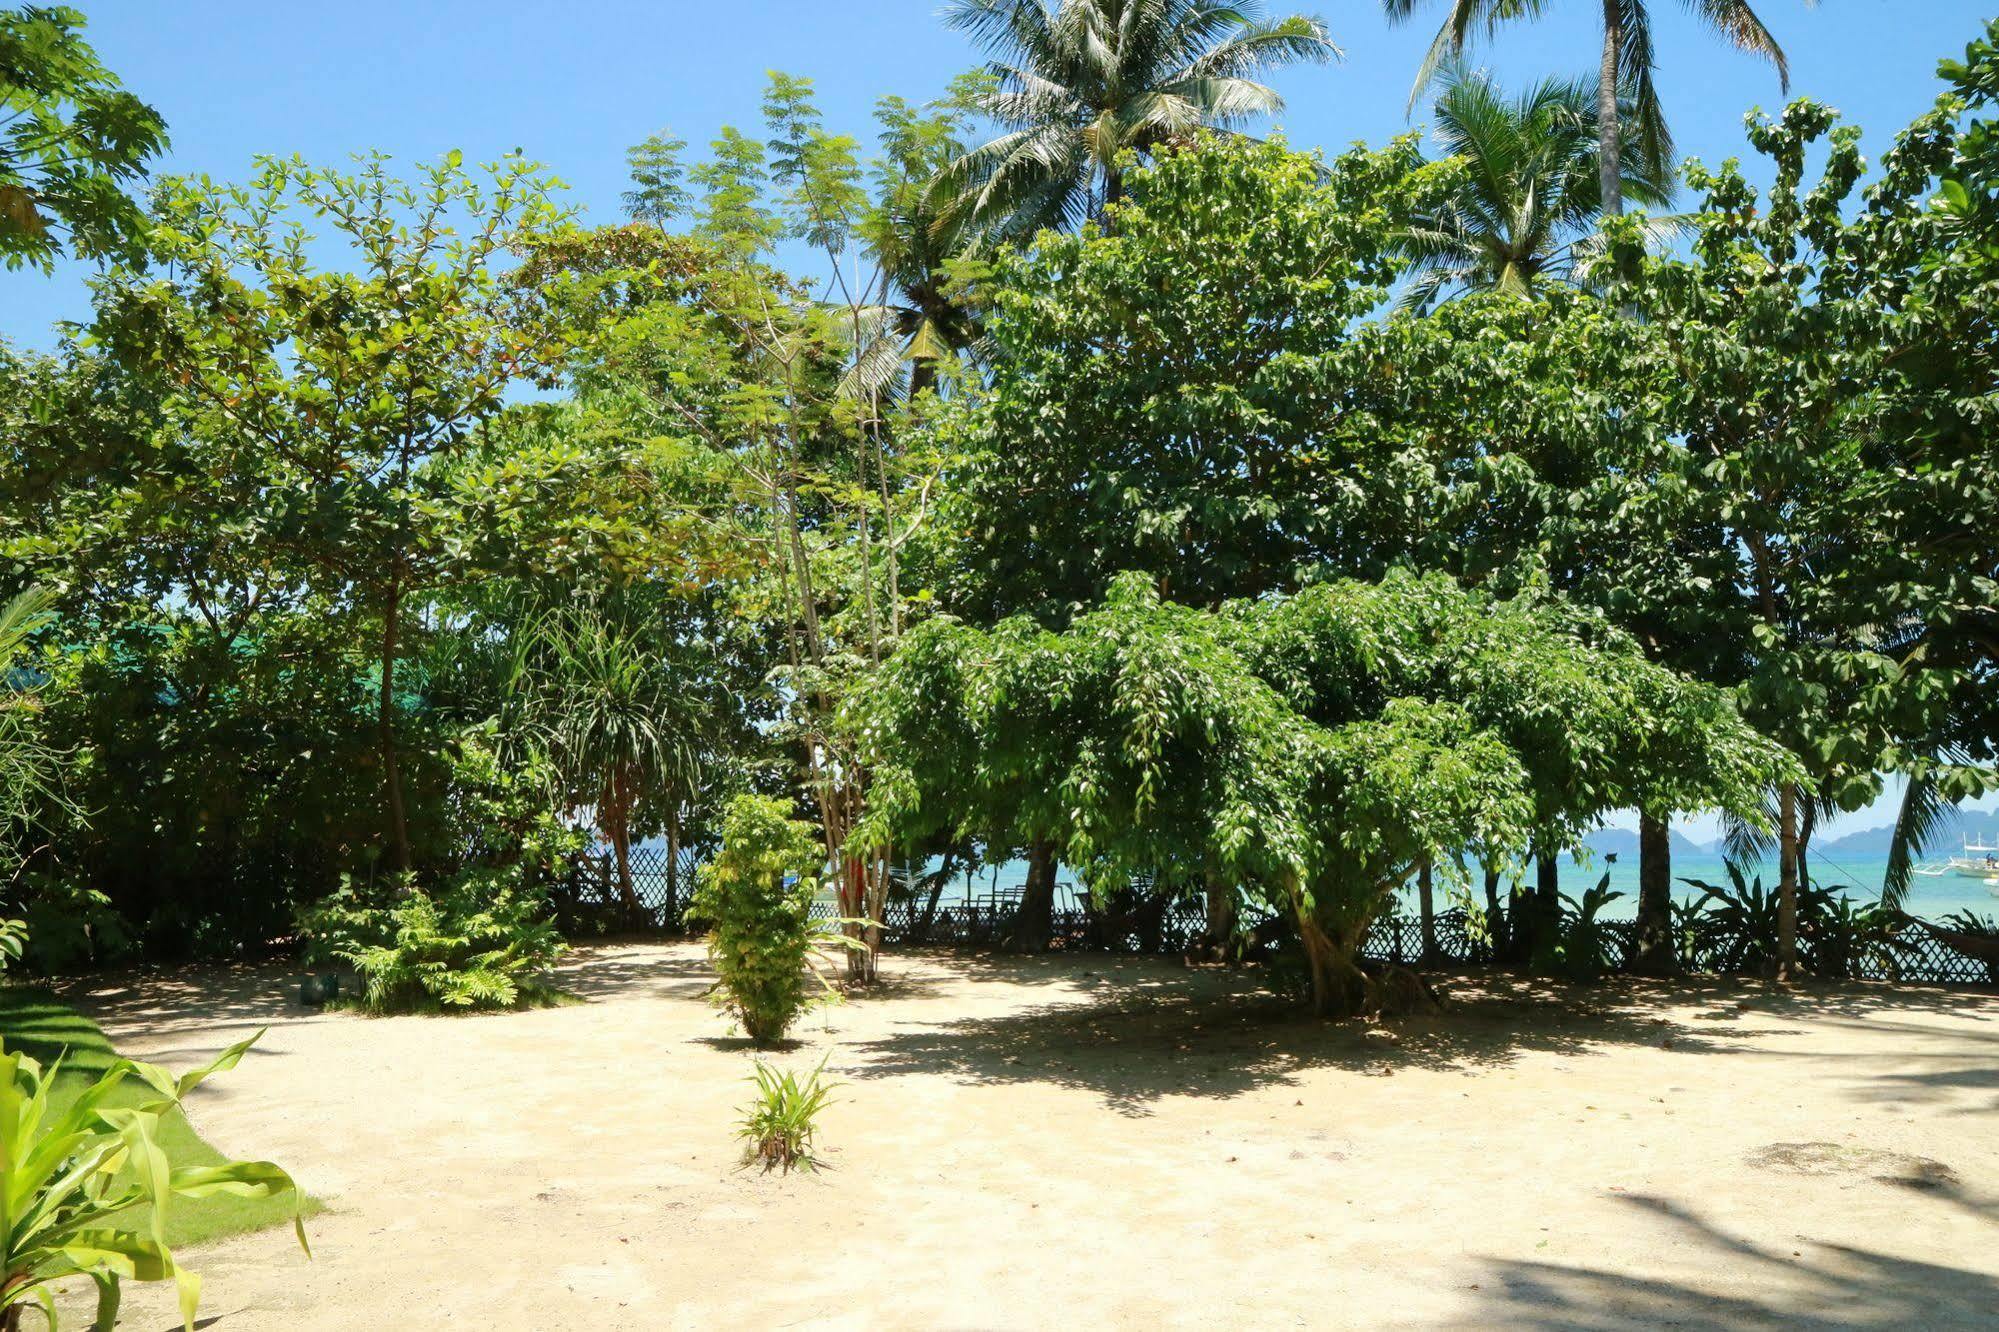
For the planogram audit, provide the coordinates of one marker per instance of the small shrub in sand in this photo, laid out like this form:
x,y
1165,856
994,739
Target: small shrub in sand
x,y
779,1125
756,895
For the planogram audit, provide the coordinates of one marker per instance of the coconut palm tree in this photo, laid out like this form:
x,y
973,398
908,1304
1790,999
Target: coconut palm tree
x,y
1080,84
1522,210
1625,65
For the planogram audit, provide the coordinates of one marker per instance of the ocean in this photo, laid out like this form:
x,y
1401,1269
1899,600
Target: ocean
x,y
1859,877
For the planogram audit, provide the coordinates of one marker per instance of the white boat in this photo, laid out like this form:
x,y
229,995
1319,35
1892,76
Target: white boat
x,y
1978,860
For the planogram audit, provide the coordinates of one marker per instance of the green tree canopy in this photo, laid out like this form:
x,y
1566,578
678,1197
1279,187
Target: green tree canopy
x,y
72,142
1313,748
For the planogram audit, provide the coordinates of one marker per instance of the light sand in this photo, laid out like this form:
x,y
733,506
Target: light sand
x,y
1106,1142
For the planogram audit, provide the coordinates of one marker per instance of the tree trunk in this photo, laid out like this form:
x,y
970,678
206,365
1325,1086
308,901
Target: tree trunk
x,y
1035,923
619,830
673,867
1537,911
1787,882
1547,896
385,720
1655,954
1610,168
1220,929
1496,925
1339,989
1427,904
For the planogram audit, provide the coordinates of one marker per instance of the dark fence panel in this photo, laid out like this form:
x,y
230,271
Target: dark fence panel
x,y
1141,921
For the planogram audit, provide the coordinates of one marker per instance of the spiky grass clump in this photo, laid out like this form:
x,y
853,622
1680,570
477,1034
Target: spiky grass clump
x,y
779,1125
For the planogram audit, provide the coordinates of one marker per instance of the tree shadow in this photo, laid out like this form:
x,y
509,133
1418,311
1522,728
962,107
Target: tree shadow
x,y
1132,1037
596,972
1813,1285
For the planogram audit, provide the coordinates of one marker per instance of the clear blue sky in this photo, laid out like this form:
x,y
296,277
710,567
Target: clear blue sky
x,y
574,84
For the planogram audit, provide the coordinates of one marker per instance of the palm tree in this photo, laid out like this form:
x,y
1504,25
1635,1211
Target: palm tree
x,y
1079,84
1625,69
1522,212
614,713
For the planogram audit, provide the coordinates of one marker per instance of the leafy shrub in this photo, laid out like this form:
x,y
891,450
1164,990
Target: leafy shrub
x,y
1835,936
756,894
1582,949
1979,927
481,935
478,943
1840,939
69,926
779,1125
71,1174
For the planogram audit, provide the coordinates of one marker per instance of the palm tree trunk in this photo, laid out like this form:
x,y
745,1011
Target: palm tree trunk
x,y
673,866
1610,170
1787,882
618,827
1655,954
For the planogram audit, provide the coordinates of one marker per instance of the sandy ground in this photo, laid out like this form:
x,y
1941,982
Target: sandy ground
x,y
1100,1142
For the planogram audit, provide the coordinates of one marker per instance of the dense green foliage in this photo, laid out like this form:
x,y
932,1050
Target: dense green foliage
x,y
1270,524
755,896
1315,748
72,142
478,938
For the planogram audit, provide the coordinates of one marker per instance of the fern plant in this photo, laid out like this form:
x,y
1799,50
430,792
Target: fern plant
x,y
72,1176
476,934
780,1124
480,943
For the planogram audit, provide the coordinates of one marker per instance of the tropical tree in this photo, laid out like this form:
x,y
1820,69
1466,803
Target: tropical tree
x,y
1081,86
1171,398
1315,749
336,396
72,141
1625,67
623,720
1522,209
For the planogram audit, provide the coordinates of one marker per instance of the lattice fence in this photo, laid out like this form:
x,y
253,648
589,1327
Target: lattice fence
x,y
1139,920
591,898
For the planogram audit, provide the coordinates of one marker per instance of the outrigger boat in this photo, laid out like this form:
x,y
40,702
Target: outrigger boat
x,y
1979,860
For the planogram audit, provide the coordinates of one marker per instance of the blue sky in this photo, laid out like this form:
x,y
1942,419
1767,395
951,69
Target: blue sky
x,y
574,85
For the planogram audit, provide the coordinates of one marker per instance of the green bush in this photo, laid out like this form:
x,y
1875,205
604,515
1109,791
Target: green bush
x,y
481,942
779,1125
1581,950
479,936
756,894
75,1175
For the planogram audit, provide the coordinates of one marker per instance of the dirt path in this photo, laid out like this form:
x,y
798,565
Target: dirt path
x,y
1106,1142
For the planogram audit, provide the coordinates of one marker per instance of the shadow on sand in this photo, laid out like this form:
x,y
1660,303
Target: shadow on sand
x,y
1811,1285
1134,1030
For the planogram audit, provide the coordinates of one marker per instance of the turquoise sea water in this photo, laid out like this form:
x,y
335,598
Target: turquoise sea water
x,y
1859,877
